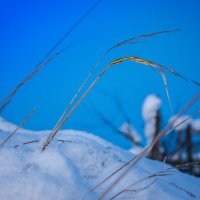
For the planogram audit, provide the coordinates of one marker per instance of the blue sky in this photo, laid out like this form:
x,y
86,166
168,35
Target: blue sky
x,y
30,28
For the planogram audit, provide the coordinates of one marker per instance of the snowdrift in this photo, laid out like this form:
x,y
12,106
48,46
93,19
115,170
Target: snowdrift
x,y
74,163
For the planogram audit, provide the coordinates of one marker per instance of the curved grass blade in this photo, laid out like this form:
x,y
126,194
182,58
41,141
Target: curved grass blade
x,y
131,40
123,43
131,58
157,67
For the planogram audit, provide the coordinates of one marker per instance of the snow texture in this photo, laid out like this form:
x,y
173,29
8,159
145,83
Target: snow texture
x,y
70,167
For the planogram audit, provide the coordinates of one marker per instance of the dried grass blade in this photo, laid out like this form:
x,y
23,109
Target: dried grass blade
x,y
44,62
155,66
68,32
8,98
20,126
3,107
62,121
132,40
123,43
166,172
33,73
135,190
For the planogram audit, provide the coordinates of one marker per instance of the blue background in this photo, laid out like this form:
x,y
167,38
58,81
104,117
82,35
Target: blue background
x,y
30,28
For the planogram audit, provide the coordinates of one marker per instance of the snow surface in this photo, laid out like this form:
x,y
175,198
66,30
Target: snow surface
x,y
68,169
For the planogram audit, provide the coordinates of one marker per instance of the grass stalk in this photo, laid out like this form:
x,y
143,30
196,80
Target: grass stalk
x,y
15,131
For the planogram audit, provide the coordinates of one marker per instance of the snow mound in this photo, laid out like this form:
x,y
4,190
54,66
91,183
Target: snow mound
x,y
74,163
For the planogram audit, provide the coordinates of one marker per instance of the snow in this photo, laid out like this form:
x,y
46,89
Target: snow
x,y
136,149
7,126
68,169
195,124
183,126
150,107
176,156
129,130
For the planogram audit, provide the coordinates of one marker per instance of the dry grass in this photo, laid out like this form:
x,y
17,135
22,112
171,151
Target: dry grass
x,y
162,173
159,67
120,44
37,141
8,98
70,109
137,158
15,131
47,58
64,118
